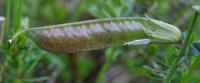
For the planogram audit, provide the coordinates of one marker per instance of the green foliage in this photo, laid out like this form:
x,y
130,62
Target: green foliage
x,y
111,8
182,50
23,62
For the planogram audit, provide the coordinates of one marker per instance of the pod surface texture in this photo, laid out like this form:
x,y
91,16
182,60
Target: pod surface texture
x,y
91,34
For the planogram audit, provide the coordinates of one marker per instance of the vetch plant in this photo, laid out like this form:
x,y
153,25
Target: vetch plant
x,y
19,63
109,32
102,33
184,47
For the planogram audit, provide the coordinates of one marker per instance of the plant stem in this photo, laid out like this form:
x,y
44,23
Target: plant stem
x,y
93,75
73,66
8,5
103,69
182,51
17,13
102,72
3,67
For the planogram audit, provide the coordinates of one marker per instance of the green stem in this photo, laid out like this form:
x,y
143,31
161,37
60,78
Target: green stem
x,y
4,66
102,72
17,8
8,5
182,51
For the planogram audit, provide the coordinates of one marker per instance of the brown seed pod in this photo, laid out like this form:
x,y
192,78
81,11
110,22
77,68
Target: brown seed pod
x,y
101,33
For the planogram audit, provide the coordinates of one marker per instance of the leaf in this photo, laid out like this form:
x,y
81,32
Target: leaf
x,y
194,48
102,33
31,63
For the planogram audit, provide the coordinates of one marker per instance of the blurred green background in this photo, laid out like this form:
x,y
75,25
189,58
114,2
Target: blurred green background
x,y
23,62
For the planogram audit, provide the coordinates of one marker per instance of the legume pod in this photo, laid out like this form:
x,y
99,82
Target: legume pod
x,y
102,33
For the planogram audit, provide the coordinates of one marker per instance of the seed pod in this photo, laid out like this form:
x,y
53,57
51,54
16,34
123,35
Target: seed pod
x,y
102,33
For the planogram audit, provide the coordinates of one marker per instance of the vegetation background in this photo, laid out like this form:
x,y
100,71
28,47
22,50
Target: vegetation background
x,y
23,62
